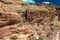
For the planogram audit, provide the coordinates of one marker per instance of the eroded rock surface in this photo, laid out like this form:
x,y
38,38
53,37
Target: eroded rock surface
x,y
22,21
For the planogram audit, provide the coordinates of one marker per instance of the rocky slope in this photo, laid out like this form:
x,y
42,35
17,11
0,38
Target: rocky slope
x,y
22,21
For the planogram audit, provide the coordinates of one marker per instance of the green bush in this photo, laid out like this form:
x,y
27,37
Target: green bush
x,y
40,38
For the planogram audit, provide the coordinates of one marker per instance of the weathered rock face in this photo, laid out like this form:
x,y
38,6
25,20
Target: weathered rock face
x,y
41,13
22,21
7,18
12,1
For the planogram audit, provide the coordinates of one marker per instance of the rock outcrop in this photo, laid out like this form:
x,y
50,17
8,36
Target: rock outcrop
x,y
22,21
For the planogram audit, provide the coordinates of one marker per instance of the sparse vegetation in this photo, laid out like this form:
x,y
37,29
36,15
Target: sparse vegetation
x,y
14,38
40,38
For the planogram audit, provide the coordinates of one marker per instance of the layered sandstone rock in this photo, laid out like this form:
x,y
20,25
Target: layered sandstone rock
x,y
8,18
21,21
12,1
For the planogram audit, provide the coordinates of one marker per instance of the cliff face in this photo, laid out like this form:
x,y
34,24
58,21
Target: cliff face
x,y
22,21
